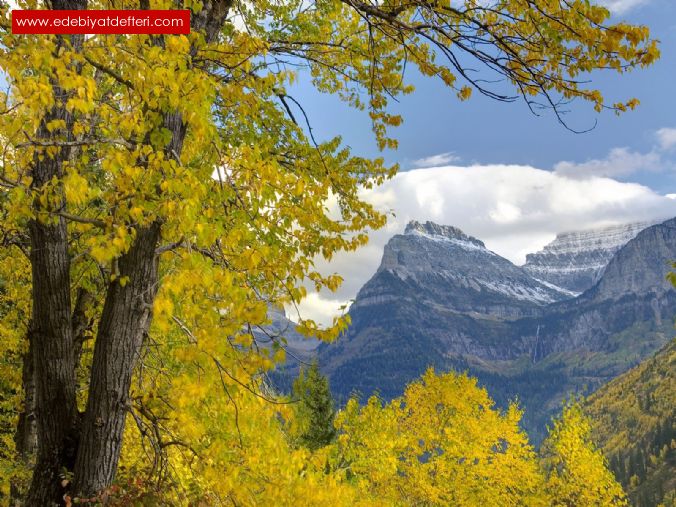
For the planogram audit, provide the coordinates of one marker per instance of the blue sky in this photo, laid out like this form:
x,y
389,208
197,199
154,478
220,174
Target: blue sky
x,y
505,176
486,132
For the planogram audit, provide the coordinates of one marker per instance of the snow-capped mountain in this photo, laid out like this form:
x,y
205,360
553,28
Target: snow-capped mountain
x,y
575,260
440,298
448,268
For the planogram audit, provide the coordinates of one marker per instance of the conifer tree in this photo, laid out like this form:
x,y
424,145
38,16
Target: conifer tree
x,y
314,410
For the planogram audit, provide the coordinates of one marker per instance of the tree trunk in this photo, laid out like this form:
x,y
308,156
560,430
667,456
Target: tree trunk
x,y
26,440
81,323
51,336
52,344
125,319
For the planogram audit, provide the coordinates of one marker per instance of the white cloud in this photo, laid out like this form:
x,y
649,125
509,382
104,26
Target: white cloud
x,y
505,213
618,162
623,161
515,210
322,308
666,137
440,159
622,6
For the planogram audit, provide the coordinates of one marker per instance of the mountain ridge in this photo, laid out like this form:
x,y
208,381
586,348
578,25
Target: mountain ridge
x,y
428,304
575,260
439,257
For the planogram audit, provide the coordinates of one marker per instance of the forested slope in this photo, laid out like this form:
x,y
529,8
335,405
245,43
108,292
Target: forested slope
x,y
634,421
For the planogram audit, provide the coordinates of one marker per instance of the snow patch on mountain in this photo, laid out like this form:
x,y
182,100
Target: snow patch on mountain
x,y
607,238
575,261
467,245
569,293
523,292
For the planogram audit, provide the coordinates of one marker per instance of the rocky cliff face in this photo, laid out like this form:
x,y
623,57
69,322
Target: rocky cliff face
x,y
575,260
441,299
450,269
639,267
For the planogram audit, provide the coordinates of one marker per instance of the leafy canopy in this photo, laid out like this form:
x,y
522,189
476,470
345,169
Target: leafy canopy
x,y
250,199
444,443
578,473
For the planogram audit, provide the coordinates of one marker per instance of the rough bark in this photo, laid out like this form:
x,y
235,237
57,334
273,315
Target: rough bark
x,y
52,344
81,323
125,320
51,337
26,439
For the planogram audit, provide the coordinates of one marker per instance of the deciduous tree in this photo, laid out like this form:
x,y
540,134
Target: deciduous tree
x,y
441,443
577,471
175,184
444,443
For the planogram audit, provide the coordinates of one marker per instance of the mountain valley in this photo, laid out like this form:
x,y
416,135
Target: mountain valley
x,y
440,298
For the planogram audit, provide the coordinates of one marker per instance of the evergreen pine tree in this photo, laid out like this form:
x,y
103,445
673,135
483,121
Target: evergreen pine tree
x,y
621,470
314,409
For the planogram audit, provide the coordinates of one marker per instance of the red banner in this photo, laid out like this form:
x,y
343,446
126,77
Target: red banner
x,y
104,21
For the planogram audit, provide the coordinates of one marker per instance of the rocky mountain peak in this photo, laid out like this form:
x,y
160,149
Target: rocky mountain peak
x,y
576,260
444,266
607,238
438,302
432,230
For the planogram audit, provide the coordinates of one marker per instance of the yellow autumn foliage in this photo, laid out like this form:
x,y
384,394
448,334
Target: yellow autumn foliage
x,y
244,208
